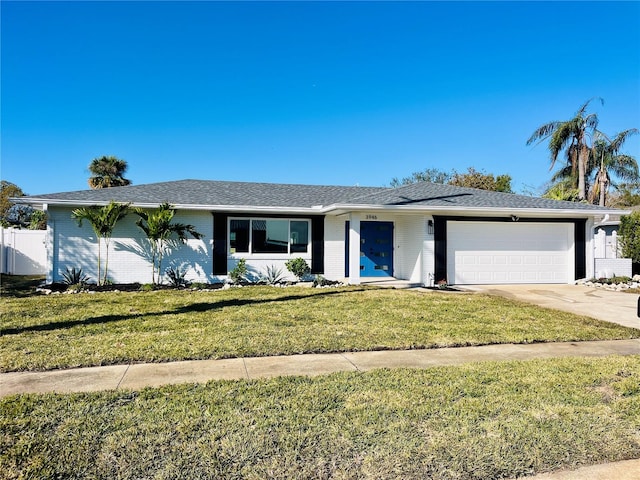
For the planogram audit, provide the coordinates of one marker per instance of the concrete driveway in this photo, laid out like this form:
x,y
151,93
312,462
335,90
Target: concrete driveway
x,y
616,307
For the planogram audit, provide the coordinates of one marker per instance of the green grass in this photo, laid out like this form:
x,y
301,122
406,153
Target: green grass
x,y
60,331
477,421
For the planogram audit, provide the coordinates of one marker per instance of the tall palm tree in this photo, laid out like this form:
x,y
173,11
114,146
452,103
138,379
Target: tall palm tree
x,y
108,172
103,220
159,230
572,137
606,160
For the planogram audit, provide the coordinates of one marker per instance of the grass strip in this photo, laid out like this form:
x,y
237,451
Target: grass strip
x,y
63,331
476,421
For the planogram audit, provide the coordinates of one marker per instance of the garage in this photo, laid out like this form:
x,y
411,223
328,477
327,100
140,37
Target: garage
x,y
509,252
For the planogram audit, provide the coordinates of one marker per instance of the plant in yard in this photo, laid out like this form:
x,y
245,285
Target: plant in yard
x,y
103,220
160,231
298,266
630,236
75,277
273,275
177,276
237,274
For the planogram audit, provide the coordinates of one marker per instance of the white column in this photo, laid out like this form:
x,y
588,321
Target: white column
x,y
49,244
590,249
354,249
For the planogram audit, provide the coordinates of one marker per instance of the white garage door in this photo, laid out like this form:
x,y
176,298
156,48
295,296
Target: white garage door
x,y
502,253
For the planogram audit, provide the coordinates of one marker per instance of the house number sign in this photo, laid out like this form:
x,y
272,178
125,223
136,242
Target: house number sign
x,y
371,217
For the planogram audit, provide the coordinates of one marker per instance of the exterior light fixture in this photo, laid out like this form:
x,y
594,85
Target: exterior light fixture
x,y
430,227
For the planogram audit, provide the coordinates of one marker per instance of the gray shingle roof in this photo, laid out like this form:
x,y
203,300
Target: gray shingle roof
x,y
219,193
437,195
245,194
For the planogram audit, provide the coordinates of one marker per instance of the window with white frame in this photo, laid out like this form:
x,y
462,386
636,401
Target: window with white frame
x,y
268,235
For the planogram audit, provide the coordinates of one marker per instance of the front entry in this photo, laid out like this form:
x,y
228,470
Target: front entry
x,y
376,249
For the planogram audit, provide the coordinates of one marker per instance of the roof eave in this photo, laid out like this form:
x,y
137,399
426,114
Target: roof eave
x,y
177,206
477,211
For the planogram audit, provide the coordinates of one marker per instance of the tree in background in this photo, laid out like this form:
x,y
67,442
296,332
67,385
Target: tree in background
x,y
471,179
8,190
431,175
607,161
630,236
157,226
108,172
483,181
627,195
571,136
103,220
20,216
605,166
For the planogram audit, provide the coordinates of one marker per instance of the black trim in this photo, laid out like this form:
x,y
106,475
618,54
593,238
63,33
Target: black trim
x,y
580,241
317,244
347,224
440,248
220,234
440,237
220,243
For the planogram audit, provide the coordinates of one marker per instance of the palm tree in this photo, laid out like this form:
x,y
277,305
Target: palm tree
x,y
103,220
606,160
570,136
158,228
108,172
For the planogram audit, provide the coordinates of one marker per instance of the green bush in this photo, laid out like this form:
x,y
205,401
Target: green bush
x,y
298,266
239,272
630,236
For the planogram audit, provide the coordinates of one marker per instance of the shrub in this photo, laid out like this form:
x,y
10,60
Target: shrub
x,y
147,287
273,275
298,266
177,277
630,236
75,277
239,272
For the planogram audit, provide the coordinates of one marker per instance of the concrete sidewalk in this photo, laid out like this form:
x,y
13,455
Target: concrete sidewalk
x,y
137,376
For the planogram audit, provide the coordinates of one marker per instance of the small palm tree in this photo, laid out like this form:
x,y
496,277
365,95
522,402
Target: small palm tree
x,y
570,136
103,220
607,161
159,230
108,172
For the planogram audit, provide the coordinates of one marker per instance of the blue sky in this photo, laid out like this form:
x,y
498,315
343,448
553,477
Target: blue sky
x,y
305,92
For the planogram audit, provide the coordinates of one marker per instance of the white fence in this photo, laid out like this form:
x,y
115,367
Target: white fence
x,y
23,252
608,256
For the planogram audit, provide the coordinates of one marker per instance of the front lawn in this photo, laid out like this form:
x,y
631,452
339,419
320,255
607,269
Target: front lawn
x,y
61,331
476,421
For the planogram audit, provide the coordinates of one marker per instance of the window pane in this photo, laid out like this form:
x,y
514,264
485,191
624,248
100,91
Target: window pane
x,y
269,236
299,236
239,236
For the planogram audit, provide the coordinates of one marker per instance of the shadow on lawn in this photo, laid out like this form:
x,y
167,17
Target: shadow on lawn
x,y
193,308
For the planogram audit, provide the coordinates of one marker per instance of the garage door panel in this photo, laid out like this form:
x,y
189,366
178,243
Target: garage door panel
x,y
486,253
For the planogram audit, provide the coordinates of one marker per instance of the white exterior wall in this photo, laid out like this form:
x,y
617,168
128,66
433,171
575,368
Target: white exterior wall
x,y
334,251
71,246
412,253
257,264
409,248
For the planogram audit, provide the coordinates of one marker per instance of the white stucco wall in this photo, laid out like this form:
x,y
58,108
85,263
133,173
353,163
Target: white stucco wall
x,y
413,247
72,246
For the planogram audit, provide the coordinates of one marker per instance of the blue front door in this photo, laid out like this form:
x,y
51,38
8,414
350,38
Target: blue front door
x,y
376,249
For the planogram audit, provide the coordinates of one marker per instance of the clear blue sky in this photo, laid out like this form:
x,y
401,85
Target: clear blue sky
x,y
301,92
